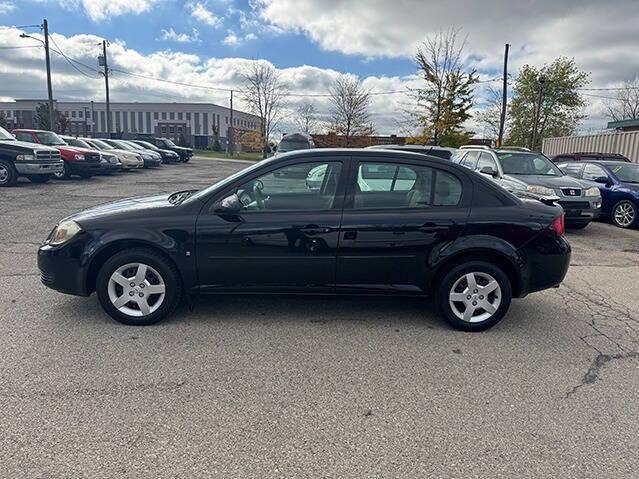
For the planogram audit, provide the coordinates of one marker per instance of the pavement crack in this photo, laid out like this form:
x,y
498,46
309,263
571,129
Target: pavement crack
x,y
592,375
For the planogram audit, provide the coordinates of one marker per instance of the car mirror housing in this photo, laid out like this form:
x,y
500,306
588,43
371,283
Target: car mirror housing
x,y
603,180
229,205
489,170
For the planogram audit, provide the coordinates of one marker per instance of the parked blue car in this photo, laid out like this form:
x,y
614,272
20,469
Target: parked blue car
x,y
619,185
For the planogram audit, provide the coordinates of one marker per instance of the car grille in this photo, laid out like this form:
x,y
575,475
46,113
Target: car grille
x,y
47,277
574,208
47,155
92,157
571,191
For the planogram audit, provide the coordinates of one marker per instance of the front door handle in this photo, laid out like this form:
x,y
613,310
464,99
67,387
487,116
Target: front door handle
x,y
314,230
350,235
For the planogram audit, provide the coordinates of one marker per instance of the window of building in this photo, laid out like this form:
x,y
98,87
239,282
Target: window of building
x,y
164,115
156,115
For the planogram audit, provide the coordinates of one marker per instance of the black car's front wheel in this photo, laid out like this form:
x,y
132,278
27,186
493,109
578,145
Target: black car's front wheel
x,y
138,287
474,296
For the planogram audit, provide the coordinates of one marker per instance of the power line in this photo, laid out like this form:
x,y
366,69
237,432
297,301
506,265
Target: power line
x,y
16,47
60,52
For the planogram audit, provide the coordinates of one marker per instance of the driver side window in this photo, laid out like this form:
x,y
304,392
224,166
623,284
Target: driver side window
x,y
592,172
303,186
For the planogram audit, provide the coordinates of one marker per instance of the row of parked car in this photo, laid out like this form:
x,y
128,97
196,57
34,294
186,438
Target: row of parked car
x,y
43,155
588,185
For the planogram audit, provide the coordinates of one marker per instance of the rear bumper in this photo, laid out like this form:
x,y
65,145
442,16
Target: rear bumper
x,y
38,167
546,261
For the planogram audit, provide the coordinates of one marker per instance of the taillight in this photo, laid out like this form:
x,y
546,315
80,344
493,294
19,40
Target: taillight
x,y
559,225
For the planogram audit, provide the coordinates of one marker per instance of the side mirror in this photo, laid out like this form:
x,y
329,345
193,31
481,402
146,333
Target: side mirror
x,y
230,205
488,170
604,180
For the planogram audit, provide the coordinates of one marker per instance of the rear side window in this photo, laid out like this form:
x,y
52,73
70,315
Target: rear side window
x,y
394,185
470,160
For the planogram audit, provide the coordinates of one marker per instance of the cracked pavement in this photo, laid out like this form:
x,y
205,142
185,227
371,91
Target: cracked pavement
x,y
306,387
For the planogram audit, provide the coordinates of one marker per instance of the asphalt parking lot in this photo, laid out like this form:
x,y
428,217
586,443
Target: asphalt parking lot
x,y
310,387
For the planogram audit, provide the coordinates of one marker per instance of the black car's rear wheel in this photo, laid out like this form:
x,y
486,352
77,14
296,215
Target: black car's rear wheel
x,y
474,296
138,287
8,174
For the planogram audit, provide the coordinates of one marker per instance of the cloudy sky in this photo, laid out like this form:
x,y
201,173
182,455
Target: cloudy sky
x,y
209,42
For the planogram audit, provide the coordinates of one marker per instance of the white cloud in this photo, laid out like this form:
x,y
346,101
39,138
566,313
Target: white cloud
x,y
172,35
99,10
7,7
203,14
233,40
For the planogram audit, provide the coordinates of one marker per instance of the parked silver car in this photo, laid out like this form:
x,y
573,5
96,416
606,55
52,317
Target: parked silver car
x,y
519,170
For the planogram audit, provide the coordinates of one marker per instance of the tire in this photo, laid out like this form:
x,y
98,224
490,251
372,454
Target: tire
x,y
455,282
8,174
39,178
65,174
158,271
624,214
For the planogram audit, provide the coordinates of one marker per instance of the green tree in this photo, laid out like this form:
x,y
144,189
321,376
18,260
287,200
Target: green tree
x,y
42,119
3,120
444,102
561,104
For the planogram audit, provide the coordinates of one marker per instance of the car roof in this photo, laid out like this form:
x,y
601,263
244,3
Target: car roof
x,y
410,147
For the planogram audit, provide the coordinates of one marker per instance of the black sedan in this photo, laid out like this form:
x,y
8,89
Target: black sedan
x,y
370,222
168,156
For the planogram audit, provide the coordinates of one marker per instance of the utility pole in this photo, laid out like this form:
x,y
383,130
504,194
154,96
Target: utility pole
x,y
86,120
92,121
102,61
540,99
504,100
230,131
45,27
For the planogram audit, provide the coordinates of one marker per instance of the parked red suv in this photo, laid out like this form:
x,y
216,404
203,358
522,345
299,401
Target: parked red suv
x,y
77,161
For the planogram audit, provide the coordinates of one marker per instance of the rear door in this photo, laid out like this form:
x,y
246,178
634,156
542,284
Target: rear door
x,y
398,213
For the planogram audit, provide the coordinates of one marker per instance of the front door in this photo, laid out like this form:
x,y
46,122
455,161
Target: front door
x,y
397,215
284,238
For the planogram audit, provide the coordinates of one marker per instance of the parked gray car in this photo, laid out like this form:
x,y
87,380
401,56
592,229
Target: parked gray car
x,y
526,171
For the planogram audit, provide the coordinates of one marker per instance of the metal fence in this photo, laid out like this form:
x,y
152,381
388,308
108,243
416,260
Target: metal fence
x,y
624,143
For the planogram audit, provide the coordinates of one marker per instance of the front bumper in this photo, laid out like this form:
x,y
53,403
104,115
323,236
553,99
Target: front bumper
x,y
84,167
108,168
150,163
38,167
581,212
63,269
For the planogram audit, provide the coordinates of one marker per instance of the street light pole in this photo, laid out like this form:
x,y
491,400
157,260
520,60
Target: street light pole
x,y
504,100
45,26
104,62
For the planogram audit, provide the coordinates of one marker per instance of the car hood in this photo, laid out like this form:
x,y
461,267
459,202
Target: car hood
x,y
630,186
123,207
554,182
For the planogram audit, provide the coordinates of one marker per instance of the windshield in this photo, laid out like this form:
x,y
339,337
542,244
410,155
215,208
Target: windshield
x,y
168,142
79,142
224,181
515,163
134,145
5,135
49,138
626,173
147,145
101,145
122,145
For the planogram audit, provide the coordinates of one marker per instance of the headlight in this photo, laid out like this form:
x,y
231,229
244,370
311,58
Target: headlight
x,y
594,191
540,190
25,158
64,232
78,157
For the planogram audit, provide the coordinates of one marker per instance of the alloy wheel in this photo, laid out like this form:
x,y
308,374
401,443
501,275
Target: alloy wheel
x,y
62,173
475,297
4,175
136,289
624,214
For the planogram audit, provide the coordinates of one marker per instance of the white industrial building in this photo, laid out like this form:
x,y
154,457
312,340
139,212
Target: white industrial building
x,y
194,124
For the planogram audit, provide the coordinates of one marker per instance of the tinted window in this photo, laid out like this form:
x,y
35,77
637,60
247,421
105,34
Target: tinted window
x,y
514,163
593,171
49,138
392,185
305,186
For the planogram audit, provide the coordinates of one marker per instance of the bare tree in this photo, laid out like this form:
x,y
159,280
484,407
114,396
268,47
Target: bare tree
x,y
306,118
264,92
447,96
625,106
349,108
489,117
